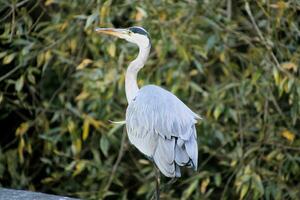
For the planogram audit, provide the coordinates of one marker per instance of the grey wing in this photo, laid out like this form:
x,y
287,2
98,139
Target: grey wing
x,y
163,128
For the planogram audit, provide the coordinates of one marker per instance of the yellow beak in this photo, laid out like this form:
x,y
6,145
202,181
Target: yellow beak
x,y
117,32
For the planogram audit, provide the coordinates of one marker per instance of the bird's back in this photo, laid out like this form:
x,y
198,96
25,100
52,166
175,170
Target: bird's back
x,y
163,128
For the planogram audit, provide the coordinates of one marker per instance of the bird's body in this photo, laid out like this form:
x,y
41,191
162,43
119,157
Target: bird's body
x,y
158,124
163,128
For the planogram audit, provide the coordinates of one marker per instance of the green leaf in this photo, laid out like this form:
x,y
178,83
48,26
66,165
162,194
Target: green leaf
x,y
276,76
199,66
143,189
19,84
233,115
218,111
31,78
188,192
2,54
257,183
90,20
80,166
112,50
104,145
1,97
7,59
218,179
211,42
244,190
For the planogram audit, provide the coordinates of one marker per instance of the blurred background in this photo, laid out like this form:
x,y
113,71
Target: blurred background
x,y
236,63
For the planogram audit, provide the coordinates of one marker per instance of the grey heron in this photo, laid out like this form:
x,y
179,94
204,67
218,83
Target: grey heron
x,y
158,124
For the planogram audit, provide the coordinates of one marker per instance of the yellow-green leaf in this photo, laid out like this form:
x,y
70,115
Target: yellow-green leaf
x,y
188,192
48,180
95,123
73,45
288,135
40,59
289,66
244,190
112,50
22,129
49,2
1,97
86,128
140,14
19,84
7,59
143,189
20,149
83,95
47,56
80,166
2,54
194,72
71,126
257,183
279,5
222,56
31,78
276,76
204,185
84,63
76,146
218,111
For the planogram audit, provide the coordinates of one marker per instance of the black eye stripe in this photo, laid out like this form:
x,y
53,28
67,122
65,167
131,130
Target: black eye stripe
x,y
138,30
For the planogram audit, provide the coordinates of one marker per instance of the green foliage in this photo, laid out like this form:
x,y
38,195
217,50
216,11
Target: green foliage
x,y
233,62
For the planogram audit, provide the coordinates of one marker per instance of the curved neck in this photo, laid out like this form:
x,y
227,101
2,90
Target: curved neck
x,y
131,86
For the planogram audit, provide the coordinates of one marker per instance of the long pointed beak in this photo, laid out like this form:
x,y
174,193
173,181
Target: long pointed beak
x,y
117,32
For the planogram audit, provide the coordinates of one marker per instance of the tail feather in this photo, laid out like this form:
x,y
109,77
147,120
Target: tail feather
x,y
181,157
191,149
164,156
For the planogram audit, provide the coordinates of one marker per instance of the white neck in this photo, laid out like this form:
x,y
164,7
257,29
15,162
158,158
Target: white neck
x,y
131,86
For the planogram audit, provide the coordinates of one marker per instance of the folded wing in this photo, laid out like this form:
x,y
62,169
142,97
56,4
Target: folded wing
x,y
163,128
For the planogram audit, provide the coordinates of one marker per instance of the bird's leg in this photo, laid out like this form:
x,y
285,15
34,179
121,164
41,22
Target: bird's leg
x,y
157,189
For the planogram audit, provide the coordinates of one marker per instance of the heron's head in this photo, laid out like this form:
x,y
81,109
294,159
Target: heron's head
x,y
135,34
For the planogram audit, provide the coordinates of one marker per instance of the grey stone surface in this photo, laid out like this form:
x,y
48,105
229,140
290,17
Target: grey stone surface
x,y
10,194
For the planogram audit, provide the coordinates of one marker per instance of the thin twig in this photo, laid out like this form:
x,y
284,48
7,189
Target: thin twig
x,y
264,41
249,12
283,146
57,91
13,25
214,153
120,155
277,107
6,16
59,40
21,3
229,9
10,73
228,182
240,121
